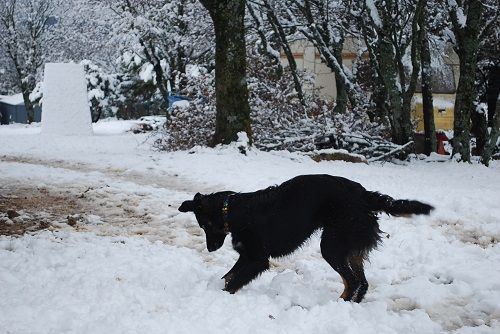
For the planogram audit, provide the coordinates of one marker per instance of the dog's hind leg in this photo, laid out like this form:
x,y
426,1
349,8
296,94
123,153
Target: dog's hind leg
x,y
346,288
245,274
356,263
335,252
352,236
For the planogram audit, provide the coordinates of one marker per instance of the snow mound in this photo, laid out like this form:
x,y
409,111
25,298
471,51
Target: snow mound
x,y
65,103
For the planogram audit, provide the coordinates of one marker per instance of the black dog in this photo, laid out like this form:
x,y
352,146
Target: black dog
x,y
275,221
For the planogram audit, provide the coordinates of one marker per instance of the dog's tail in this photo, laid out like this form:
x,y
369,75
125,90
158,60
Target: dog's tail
x,y
401,207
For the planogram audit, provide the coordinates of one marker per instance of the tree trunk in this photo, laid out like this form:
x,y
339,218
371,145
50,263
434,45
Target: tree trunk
x,y
492,139
332,55
464,104
30,110
180,67
293,68
341,100
408,91
493,91
233,109
430,143
26,85
478,130
466,47
388,72
379,96
160,77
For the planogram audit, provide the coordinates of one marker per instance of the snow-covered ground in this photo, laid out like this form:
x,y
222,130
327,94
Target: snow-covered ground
x,y
133,264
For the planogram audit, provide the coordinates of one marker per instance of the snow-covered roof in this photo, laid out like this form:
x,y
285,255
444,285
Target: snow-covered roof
x,y
14,100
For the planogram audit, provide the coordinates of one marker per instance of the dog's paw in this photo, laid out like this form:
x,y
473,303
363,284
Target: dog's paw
x,y
360,292
231,291
227,279
231,286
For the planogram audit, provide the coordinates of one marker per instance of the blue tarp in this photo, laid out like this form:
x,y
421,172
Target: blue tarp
x,y
176,98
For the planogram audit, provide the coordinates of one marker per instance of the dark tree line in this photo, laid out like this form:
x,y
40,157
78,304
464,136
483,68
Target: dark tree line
x,y
398,44
393,32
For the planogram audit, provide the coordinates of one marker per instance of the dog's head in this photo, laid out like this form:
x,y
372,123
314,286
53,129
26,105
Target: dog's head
x,y
208,211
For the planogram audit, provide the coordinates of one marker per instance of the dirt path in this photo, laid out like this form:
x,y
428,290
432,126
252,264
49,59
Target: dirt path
x,y
106,201
153,178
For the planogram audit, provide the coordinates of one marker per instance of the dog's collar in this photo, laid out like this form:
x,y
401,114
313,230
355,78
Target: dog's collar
x,y
225,213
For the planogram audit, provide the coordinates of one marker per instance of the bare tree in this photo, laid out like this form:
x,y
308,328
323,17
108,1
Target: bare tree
x,y
323,23
430,142
25,27
465,21
488,81
265,9
157,39
391,33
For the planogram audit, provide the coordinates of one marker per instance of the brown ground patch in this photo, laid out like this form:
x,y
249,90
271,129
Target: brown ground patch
x,y
471,235
94,207
20,228
24,210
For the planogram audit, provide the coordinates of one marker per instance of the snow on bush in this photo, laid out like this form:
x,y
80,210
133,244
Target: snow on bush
x,y
279,120
102,89
194,124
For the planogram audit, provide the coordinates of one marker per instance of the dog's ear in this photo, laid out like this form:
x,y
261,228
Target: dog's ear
x,y
187,206
198,196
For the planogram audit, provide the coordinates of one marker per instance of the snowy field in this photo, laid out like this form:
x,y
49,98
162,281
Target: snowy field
x,y
128,262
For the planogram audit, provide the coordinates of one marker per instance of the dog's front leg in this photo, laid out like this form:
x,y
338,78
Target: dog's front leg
x,y
245,274
242,260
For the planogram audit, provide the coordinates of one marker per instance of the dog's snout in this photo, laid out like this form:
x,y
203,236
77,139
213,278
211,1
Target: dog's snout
x,y
213,246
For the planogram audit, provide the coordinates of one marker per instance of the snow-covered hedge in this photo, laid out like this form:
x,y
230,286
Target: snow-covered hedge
x,y
279,120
